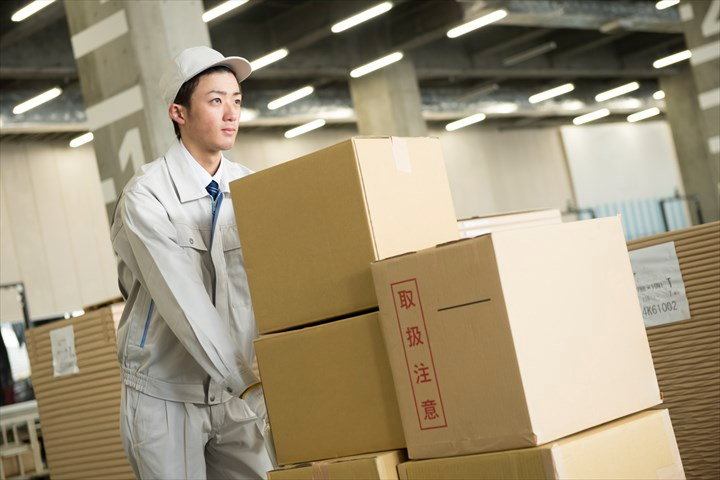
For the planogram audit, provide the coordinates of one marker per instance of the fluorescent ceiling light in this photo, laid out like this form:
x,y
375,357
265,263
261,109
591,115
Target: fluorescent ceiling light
x,y
361,17
268,59
659,95
616,92
377,64
464,122
589,117
81,140
290,97
663,4
670,59
30,9
552,93
35,101
502,107
650,112
308,127
477,23
222,9
529,53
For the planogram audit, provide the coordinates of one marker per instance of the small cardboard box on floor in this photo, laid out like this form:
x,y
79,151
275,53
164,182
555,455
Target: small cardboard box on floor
x,y
329,391
372,466
514,339
310,227
682,316
639,446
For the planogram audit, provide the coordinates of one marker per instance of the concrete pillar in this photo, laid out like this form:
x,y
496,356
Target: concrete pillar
x,y
685,118
387,101
121,48
699,163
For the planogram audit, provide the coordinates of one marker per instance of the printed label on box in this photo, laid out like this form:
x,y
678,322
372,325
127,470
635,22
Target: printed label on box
x,y
660,284
418,355
62,341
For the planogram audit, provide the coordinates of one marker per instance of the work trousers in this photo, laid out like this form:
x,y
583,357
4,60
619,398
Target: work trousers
x,y
168,440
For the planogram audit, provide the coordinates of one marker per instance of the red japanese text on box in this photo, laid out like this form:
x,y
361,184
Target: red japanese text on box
x,y
418,355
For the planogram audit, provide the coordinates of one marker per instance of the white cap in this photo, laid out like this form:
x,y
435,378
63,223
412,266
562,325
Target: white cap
x,y
194,60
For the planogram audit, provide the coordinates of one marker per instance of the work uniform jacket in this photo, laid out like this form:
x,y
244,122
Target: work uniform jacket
x,y
187,329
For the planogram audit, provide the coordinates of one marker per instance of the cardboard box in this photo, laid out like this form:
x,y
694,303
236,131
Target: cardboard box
x,y
310,227
686,352
374,466
78,388
329,392
514,339
482,225
640,446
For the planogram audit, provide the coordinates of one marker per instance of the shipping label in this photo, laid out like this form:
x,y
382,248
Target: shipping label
x,y
62,342
660,284
413,334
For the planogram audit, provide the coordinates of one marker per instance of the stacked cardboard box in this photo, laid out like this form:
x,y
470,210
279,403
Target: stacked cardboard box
x,y
375,466
476,226
77,385
639,446
515,339
309,229
686,347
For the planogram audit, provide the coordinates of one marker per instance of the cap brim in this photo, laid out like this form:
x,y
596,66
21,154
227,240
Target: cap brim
x,y
240,67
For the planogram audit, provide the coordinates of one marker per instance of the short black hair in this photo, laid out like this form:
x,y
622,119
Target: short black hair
x,y
188,88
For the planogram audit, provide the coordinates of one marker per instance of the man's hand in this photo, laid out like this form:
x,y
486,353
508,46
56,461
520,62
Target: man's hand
x,y
255,399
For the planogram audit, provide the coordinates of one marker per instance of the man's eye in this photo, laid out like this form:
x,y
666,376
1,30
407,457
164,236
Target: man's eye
x,y
215,100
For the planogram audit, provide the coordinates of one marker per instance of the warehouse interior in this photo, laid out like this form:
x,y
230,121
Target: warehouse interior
x,y
539,111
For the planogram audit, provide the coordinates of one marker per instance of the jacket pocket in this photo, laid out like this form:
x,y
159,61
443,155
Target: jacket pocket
x,y
190,237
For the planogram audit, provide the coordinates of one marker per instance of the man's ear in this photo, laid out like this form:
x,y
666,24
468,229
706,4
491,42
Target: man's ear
x,y
177,113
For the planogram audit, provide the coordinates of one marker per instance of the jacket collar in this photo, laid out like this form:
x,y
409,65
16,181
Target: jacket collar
x,y
184,177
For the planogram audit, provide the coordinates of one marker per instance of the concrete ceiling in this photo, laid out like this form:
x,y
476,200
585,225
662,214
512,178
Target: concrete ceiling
x,y
596,44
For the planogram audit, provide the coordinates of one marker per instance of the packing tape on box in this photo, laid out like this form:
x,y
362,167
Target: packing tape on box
x,y
319,471
401,154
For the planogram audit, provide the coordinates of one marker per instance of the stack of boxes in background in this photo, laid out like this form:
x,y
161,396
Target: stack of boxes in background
x,y
508,341
309,229
678,281
521,338
77,384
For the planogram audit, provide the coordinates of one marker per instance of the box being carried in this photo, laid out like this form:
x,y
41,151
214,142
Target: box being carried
x,y
514,339
639,446
329,391
372,466
310,227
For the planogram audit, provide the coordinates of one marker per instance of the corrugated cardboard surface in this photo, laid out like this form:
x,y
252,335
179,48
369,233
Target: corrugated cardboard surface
x,y
80,413
639,446
374,466
687,353
329,391
310,227
529,336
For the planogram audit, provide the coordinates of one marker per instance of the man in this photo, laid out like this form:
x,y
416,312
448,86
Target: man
x,y
191,405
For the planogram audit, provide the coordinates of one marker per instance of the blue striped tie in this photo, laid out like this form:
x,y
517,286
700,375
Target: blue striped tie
x,y
213,189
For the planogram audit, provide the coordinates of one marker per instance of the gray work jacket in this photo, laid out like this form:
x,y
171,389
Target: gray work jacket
x,y
174,341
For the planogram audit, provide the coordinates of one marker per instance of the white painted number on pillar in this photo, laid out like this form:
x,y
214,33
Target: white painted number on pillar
x,y
131,148
711,22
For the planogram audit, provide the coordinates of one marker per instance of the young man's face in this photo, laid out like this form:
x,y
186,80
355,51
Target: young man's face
x,y
212,121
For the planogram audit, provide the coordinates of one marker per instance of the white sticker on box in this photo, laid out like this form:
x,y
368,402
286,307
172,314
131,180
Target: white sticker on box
x,y
62,341
660,284
401,155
